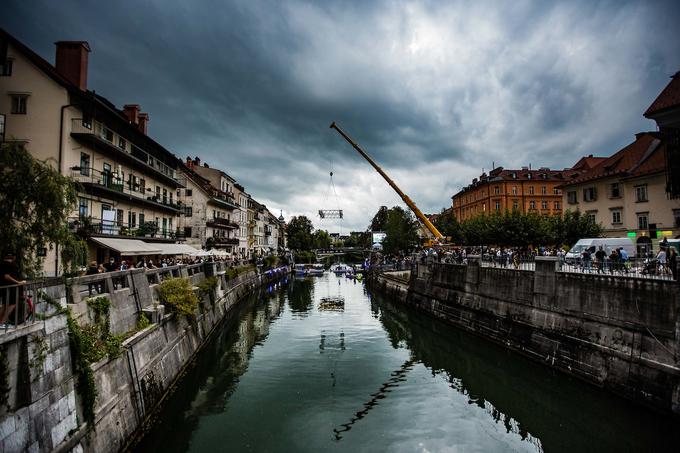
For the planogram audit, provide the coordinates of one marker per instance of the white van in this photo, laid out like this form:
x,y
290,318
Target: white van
x,y
593,244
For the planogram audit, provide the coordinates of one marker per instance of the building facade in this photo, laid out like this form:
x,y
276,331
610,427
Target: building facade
x,y
127,181
630,194
503,190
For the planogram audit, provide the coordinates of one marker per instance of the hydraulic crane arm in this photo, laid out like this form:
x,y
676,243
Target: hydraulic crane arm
x,y
424,220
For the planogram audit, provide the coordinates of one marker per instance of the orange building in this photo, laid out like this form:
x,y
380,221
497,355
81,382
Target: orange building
x,y
506,190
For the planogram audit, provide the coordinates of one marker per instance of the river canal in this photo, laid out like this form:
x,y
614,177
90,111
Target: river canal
x,y
286,375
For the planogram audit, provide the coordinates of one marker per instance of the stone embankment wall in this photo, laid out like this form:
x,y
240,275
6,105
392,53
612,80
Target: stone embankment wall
x,y
43,409
620,333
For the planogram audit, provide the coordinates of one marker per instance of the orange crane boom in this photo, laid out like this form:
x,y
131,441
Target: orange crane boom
x,y
424,220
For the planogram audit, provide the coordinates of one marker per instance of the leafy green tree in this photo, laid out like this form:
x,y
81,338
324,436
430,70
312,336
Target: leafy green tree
x,y
401,230
322,240
299,233
379,220
36,201
448,225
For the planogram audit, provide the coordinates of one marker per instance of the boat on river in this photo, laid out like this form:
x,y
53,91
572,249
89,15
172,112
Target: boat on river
x,y
300,270
340,269
316,269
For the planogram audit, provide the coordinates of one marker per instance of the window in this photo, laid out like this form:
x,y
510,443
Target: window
x,y
556,191
544,204
496,190
514,190
544,190
187,232
6,68
532,204
158,193
643,221
641,193
165,196
141,219
591,217
19,104
498,205
82,208
2,128
188,211
531,190
107,134
676,218
119,217
106,175
614,190
142,185
189,192
132,219
556,206
121,143
571,197
589,194
84,164
616,216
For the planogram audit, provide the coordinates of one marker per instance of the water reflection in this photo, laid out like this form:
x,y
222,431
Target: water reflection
x,y
549,410
283,376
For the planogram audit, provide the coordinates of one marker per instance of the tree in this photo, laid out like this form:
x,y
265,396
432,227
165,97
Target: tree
x,y
299,232
401,231
448,225
36,201
322,240
379,220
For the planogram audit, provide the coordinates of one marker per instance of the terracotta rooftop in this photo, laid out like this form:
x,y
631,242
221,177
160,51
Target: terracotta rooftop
x,y
668,99
643,156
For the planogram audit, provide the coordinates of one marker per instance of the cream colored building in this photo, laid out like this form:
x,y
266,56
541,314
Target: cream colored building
x,y
211,217
128,181
626,194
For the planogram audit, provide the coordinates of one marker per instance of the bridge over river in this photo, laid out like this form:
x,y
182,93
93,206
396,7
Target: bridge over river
x,y
287,374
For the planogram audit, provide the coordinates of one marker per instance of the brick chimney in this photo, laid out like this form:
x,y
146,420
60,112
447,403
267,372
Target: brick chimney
x,y
189,163
71,61
132,113
143,122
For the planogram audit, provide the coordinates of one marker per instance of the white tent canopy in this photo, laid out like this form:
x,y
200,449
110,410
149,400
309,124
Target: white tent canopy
x,y
175,249
128,247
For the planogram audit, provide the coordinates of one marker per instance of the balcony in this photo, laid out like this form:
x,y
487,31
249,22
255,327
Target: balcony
x,y
99,137
219,222
110,185
91,226
216,240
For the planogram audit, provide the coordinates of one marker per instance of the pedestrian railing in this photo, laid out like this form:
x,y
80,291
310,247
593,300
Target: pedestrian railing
x,y
507,261
23,304
633,267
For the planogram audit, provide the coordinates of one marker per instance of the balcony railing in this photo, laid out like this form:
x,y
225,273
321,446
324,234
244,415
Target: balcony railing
x,y
224,241
114,182
89,226
99,130
219,221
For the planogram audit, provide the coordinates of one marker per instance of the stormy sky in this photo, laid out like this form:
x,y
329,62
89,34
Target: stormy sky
x,y
435,91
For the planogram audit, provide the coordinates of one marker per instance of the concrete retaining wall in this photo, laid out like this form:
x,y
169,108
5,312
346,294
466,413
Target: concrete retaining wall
x,y
44,412
619,333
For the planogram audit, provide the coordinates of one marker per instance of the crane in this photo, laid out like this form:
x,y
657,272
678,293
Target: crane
x,y
429,227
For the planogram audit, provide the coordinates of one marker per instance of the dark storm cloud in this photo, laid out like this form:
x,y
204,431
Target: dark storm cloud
x,y
436,88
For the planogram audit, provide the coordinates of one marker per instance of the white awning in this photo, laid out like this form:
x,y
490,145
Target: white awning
x,y
174,249
128,247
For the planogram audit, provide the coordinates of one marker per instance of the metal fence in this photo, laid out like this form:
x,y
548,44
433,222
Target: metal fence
x,y
508,261
23,304
633,267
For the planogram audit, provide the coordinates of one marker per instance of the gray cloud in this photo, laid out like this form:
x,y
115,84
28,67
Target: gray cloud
x,y
435,91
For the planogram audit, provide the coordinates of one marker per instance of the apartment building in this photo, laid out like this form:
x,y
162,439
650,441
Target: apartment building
x,y
211,216
503,190
128,182
631,192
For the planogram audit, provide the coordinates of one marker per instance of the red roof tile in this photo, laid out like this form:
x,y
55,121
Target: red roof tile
x,y
669,97
643,156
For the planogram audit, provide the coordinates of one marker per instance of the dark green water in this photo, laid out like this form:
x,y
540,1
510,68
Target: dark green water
x,y
285,376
